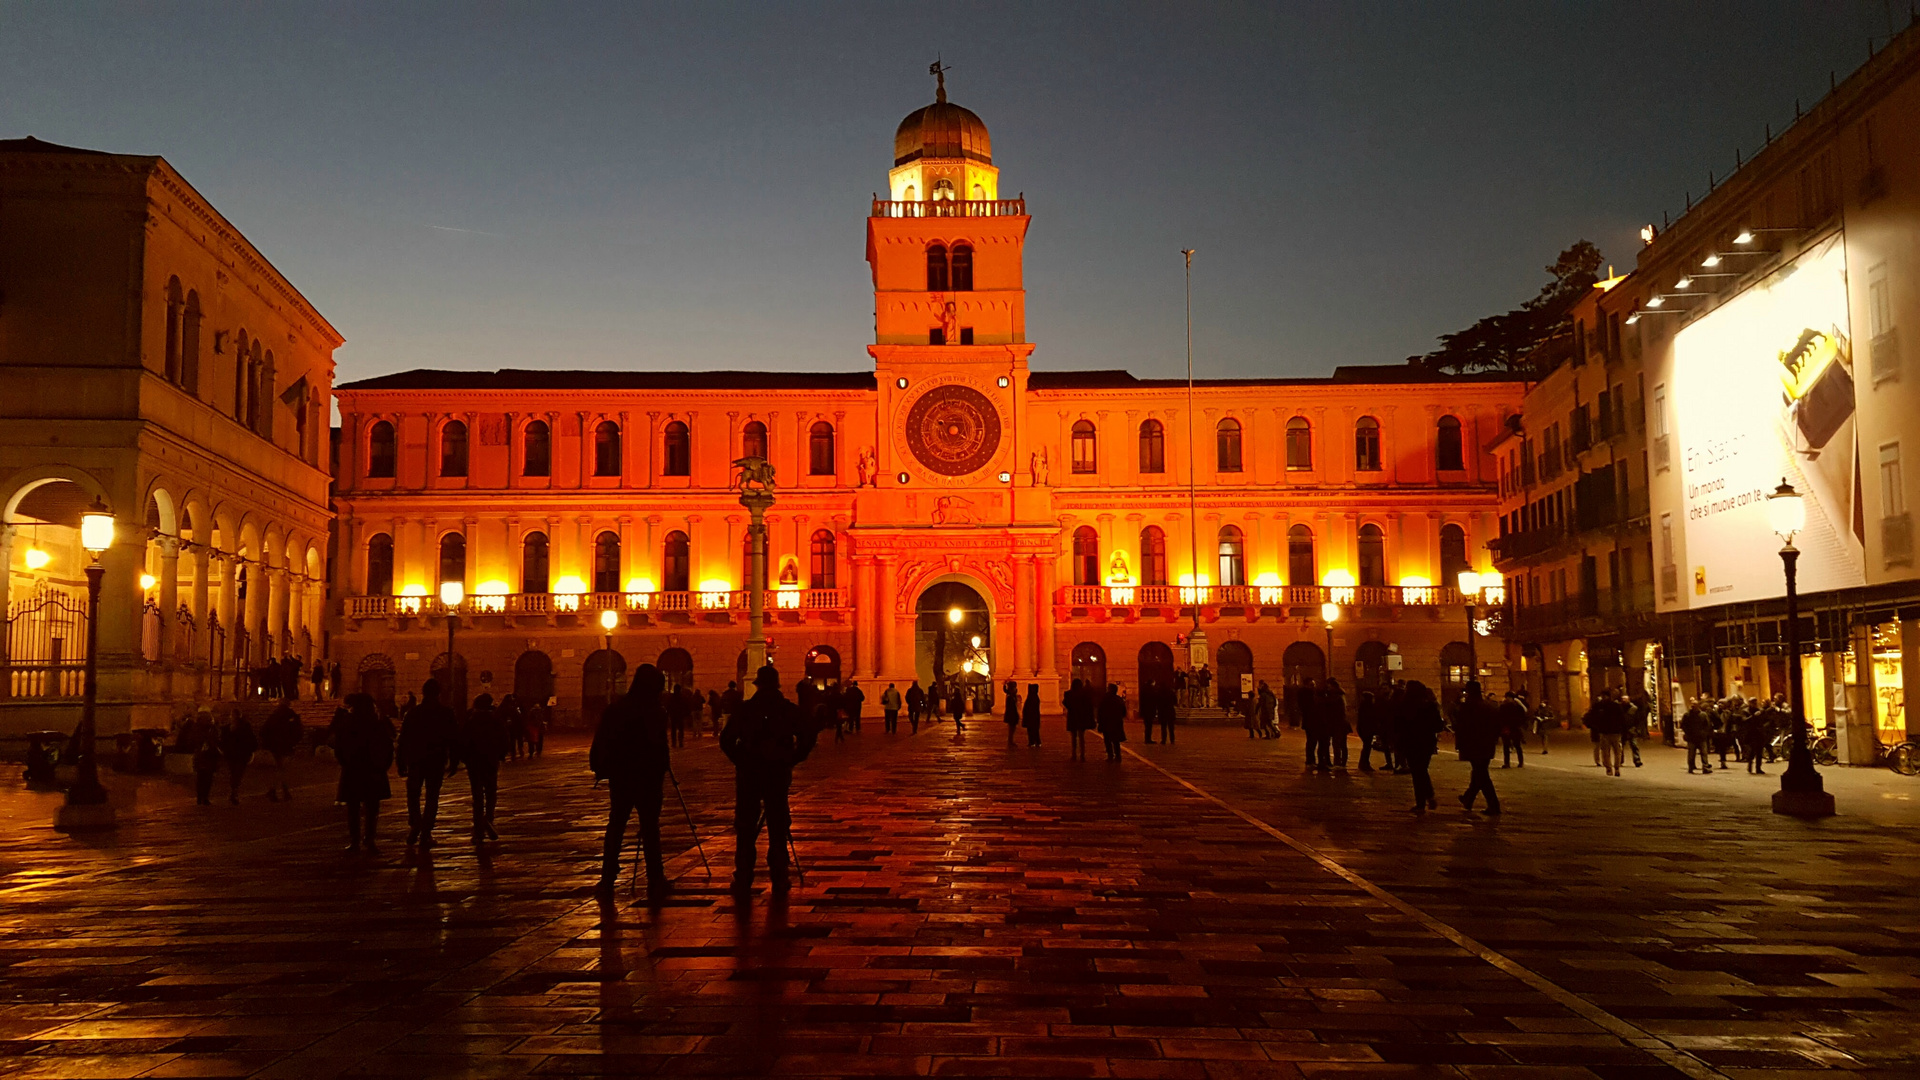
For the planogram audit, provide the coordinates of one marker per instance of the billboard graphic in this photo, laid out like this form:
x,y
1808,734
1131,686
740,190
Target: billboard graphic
x,y
1764,390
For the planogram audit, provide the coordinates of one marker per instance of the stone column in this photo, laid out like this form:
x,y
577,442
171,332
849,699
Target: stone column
x,y
470,534
516,564
626,449
202,557
586,450
229,593
278,623
1043,608
296,614
863,616
1022,616
6,591
169,595
628,560
886,625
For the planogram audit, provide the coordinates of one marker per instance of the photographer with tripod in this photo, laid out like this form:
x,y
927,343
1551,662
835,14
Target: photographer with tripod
x,y
630,753
765,738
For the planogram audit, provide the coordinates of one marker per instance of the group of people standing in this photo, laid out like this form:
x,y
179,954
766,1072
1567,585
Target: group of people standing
x,y
1748,728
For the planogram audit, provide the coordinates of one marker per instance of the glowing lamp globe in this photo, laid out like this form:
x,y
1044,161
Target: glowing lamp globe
x,y
609,619
1469,584
1330,613
451,593
96,528
1786,511
976,641
37,559
147,581
954,615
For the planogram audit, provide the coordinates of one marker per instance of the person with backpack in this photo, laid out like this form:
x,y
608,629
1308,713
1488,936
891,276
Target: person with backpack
x,y
362,743
1475,734
631,753
765,740
280,735
426,759
483,746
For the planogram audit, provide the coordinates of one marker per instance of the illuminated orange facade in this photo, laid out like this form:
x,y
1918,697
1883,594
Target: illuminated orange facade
x,y
1047,512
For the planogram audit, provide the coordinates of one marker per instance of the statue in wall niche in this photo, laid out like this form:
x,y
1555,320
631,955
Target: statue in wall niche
x,y
1037,467
1117,567
868,465
790,573
950,324
953,510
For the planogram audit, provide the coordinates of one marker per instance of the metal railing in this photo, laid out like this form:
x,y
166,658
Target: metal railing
x,y
938,208
1260,595
382,607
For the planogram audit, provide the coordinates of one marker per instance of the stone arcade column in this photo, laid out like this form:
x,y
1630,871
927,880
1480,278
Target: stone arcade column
x,y
863,616
1022,616
1043,608
169,597
196,645
886,625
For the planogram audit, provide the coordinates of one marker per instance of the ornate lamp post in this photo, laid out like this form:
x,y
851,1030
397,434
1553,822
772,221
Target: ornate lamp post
x,y
86,806
1802,793
451,594
755,481
609,619
1329,614
1470,585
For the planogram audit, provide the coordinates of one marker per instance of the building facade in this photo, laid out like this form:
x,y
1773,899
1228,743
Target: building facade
x,y
1574,542
946,510
151,359
1777,323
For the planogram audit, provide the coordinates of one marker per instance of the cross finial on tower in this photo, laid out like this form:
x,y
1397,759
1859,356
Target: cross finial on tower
x,y
939,71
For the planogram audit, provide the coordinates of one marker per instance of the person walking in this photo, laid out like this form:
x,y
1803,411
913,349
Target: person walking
x,y
854,701
1113,720
890,708
206,757
631,753
362,743
1010,691
765,739
280,735
319,680
1163,704
1312,721
1475,732
916,704
1333,711
1753,741
425,756
1030,714
483,745
1366,722
957,706
1416,734
334,685
237,744
1637,713
1080,708
1697,730
1513,721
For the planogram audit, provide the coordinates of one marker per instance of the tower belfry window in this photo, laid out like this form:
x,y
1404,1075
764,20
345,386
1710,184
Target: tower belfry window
x,y
942,190
962,264
937,277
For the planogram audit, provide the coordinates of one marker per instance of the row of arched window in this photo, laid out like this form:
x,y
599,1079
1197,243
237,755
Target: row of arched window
x,y
675,564
253,367
949,269
536,458
1230,567
1449,449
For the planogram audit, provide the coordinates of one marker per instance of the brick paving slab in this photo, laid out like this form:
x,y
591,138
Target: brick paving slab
x,y
1206,910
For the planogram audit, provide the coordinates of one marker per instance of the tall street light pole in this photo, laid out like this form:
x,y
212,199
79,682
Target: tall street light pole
x,y
755,481
1197,640
1470,585
451,594
1802,793
86,806
609,619
1329,614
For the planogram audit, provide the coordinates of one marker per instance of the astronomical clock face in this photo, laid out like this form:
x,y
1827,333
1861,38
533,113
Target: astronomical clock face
x,y
953,430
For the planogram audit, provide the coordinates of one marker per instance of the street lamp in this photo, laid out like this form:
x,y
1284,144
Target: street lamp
x,y
1470,585
609,619
451,593
1329,614
1802,793
86,806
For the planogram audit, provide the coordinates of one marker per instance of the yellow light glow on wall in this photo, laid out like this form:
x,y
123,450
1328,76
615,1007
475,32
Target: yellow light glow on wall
x,y
640,585
1271,591
1120,594
490,597
410,599
715,593
569,586
1191,593
37,559
787,597
1416,589
1341,582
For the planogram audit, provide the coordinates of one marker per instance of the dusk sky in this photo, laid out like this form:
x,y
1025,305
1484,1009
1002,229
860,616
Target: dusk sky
x,y
684,186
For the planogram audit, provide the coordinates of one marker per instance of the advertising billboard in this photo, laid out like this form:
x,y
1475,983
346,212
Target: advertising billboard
x,y
1763,389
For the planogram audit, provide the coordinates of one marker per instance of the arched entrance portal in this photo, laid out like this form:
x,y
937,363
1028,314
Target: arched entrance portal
x,y
677,665
601,680
823,665
1156,665
952,636
1235,670
532,679
1090,666
453,686
376,681
1370,666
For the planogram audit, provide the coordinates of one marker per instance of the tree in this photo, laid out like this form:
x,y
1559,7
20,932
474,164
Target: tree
x,y
1511,342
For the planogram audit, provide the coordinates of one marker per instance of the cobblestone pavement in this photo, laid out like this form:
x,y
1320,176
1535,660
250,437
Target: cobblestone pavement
x,y
1207,910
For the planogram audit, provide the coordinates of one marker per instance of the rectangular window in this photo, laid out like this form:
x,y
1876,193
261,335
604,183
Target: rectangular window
x,y
966,335
1606,414
1893,494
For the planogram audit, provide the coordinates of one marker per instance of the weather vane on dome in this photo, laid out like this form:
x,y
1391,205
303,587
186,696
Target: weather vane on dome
x,y
939,71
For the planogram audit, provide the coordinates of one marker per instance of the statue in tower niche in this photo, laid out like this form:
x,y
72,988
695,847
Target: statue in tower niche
x,y
953,510
1037,467
868,465
1117,567
950,324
